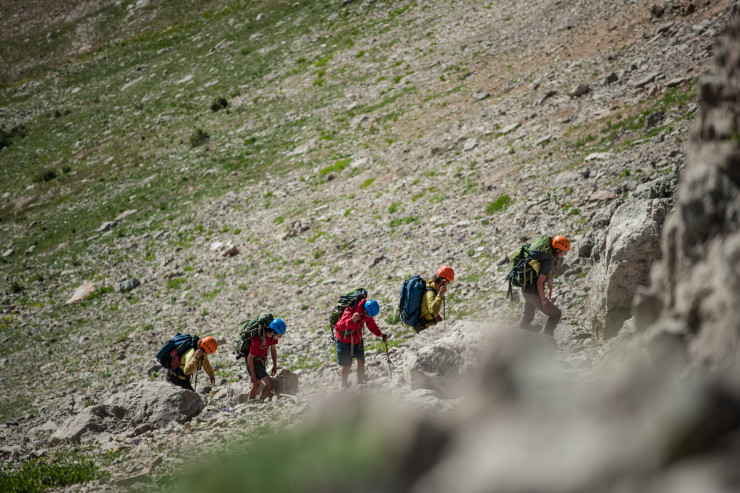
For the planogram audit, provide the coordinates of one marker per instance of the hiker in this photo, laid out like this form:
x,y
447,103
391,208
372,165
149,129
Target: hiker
x,y
258,354
349,342
534,293
191,361
434,297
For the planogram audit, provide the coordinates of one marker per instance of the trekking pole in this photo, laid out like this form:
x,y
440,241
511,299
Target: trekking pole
x,y
444,309
390,372
200,363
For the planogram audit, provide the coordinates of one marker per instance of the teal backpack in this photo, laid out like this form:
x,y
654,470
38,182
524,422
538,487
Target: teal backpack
x,y
248,329
525,263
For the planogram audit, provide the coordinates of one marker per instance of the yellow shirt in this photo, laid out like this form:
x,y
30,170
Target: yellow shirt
x,y
431,304
189,364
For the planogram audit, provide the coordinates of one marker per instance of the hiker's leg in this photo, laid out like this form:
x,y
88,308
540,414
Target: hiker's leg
x,y
530,306
344,360
260,373
360,356
554,315
269,385
344,373
360,371
255,389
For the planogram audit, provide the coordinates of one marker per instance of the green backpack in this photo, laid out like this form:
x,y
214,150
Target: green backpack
x,y
248,329
349,299
525,262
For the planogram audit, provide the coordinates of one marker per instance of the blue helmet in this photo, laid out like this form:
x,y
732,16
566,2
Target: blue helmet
x,y
372,308
278,326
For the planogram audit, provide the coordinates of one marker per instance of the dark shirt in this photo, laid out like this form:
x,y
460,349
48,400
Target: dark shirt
x,y
546,267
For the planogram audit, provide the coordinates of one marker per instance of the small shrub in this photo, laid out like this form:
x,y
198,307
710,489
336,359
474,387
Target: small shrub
x,y
367,183
45,176
219,103
500,204
394,207
393,318
198,137
6,138
318,254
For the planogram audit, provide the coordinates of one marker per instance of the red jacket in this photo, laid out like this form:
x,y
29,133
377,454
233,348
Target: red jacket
x,y
350,332
260,346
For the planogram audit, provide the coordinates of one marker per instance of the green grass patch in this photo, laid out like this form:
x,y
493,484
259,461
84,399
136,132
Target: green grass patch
x,y
337,167
367,183
403,220
56,471
501,203
175,283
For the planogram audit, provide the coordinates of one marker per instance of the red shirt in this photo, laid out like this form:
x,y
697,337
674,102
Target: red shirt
x,y
260,346
350,332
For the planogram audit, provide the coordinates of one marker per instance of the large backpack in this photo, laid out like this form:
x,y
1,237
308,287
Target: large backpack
x,y
169,354
409,304
248,329
347,300
525,263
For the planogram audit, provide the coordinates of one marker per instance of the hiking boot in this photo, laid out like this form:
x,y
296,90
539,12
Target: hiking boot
x,y
531,327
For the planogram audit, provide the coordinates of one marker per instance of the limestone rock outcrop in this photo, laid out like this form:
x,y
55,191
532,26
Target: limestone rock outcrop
x,y
695,289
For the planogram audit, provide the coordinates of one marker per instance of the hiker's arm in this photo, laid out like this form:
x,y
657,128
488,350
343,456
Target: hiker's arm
x,y
209,370
435,302
250,364
373,327
549,284
344,321
273,355
541,289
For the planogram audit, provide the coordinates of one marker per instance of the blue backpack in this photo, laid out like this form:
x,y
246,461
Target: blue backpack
x,y
409,306
169,354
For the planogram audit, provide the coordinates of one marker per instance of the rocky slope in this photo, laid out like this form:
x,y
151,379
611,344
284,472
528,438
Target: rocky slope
x,y
385,140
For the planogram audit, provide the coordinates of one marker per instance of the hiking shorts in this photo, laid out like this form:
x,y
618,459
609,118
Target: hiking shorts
x,y
259,369
344,352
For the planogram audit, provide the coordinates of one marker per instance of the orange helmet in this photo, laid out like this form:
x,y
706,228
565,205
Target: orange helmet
x,y
208,344
561,243
447,273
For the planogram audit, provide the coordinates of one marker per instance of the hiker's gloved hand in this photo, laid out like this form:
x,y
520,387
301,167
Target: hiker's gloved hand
x,y
198,354
274,370
355,317
443,290
213,380
384,336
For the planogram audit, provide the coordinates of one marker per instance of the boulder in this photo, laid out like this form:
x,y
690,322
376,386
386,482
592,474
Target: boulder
x,y
92,420
286,382
127,285
157,403
631,244
81,293
443,357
